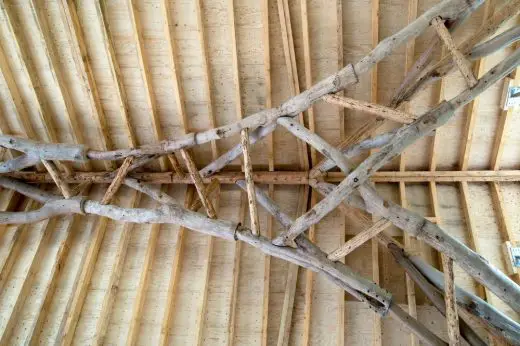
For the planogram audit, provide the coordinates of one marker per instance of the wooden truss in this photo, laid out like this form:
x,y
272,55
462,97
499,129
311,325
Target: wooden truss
x,y
353,192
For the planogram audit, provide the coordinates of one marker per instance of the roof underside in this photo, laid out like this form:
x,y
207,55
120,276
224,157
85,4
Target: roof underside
x,y
223,288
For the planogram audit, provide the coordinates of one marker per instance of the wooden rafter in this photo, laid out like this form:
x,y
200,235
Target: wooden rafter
x,y
82,61
113,281
54,63
115,71
233,296
174,276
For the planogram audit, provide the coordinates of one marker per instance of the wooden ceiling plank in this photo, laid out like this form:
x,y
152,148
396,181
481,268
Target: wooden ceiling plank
x,y
234,55
115,71
290,62
54,66
309,283
290,285
207,74
142,287
81,59
462,63
374,16
271,163
42,241
503,122
174,65
13,247
113,281
34,85
137,32
410,244
308,68
29,71
484,292
267,276
341,114
174,276
408,63
58,262
504,222
309,277
233,297
207,270
22,115
81,283
472,107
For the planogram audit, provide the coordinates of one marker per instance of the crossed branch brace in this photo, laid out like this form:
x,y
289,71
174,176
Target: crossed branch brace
x,y
353,191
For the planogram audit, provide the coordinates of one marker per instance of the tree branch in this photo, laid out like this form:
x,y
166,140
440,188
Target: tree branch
x,y
402,139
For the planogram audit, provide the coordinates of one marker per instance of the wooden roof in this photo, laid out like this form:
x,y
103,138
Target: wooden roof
x,y
122,73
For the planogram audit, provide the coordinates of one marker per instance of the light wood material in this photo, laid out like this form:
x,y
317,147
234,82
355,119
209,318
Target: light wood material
x,y
173,281
372,108
410,244
458,57
146,76
56,176
211,189
504,121
359,239
81,283
115,71
199,184
452,318
144,278
42,241
290,283
207,74
118,180
471,109
237,256
280,177
55,68
50,286
248,172
292,70
81,59
113,281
